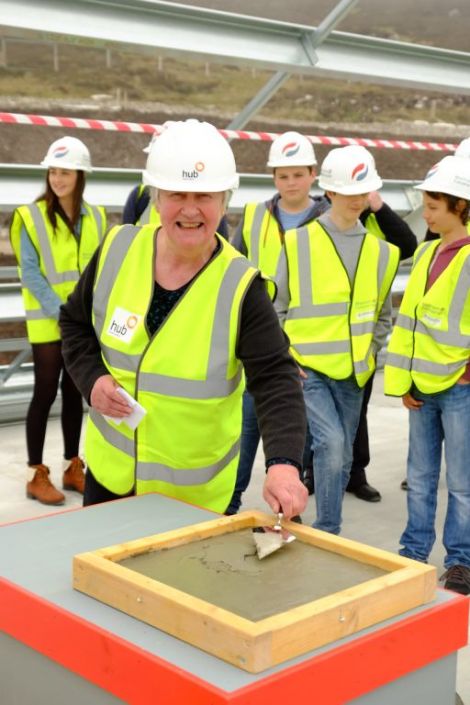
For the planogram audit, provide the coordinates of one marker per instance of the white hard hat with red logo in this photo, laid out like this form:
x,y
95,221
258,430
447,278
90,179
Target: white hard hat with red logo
x,y
463,149
68,153
191,156
451,176
291,149
350,171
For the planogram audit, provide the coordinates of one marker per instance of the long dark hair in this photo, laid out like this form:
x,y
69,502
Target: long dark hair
x,y
54,208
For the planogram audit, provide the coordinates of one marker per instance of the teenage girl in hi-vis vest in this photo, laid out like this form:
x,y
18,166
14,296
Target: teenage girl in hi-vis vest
x,y
53,240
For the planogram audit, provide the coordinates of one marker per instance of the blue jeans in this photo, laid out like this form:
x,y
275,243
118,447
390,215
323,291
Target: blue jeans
x,y
248,446
443,415
333,411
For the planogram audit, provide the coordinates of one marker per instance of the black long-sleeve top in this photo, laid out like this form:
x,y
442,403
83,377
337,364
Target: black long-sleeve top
x,y
395,229
263,348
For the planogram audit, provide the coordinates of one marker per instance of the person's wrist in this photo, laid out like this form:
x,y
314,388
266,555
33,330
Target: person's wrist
x,y
282,461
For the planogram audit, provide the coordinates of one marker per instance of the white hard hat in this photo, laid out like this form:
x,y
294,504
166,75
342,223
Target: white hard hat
x,y
450,176
463,149
166,124
151,143
191,156
68,153
291,149
349,170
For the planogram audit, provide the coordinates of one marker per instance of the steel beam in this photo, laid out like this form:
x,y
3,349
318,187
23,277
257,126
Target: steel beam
x,y
209,34
275,82
22,183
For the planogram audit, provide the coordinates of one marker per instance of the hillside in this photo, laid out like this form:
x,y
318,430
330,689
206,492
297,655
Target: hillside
x,y
144,87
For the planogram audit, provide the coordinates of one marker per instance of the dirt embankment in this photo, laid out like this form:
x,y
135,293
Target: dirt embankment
x,y
27,145
20,144
24,144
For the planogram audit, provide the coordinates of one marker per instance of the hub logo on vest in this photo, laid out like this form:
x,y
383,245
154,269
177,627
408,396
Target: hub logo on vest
x,y
290,149
359,173
123,324
189,174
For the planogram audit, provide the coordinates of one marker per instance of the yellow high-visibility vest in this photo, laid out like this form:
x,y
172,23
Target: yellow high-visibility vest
x,y
187,375
330,320
430,343
61,259
263,238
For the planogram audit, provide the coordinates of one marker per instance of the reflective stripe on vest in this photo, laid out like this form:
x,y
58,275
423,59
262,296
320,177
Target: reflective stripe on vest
x,y
156,457
335,337
52,275
263,238
430,343
158,471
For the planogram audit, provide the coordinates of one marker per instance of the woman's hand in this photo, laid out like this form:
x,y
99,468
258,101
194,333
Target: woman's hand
x,y
410,402
106,399
284,491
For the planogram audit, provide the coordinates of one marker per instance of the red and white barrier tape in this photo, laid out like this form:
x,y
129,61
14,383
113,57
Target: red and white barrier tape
x,y
119,126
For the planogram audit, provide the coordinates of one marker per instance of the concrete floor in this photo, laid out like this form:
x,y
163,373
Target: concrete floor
x,y
378,524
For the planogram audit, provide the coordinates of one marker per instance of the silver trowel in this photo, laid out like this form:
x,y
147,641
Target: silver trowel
x,y
271,538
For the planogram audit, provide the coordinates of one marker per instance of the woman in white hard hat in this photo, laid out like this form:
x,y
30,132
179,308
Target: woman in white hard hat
x,y
171,316
53,240
139,209
334,280
428,365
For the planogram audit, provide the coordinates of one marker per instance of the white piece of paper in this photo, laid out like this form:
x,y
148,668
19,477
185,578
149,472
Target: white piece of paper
x,y
135,417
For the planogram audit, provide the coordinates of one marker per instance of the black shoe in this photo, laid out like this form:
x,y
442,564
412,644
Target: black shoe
x,y
457,579
365,492
404,485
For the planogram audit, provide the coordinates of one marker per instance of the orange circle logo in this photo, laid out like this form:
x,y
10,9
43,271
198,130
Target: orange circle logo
x,y
199,166
132,321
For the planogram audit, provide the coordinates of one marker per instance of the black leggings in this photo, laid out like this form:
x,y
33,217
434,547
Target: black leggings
x,y
48,365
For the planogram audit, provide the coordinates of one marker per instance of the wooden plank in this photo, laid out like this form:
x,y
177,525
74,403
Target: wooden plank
x,y
254,645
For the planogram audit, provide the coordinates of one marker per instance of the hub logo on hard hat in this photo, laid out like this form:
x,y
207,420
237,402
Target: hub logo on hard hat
x,y
359,173
193,173
60,152
290,149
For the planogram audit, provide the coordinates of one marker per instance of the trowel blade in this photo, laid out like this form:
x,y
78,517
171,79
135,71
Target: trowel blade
x,y
267,542
268,539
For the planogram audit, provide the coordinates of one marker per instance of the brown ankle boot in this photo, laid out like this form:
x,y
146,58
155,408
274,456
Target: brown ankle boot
x,y
41,488
74,477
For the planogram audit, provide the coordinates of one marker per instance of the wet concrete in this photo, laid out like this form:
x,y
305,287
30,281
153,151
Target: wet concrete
x,y
226,571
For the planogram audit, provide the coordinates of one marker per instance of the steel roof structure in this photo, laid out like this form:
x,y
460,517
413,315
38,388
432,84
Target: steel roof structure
x,y
180,29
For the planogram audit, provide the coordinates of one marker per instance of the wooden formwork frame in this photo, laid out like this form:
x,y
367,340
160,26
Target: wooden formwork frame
x,y
254,646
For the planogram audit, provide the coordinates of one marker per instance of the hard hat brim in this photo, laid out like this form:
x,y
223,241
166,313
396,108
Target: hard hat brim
x,y
48,163
191,187
373,184
438,185
273,163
